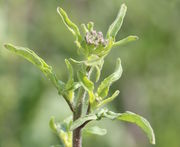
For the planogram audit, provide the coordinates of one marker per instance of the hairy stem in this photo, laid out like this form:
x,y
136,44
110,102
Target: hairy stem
x,y
77,138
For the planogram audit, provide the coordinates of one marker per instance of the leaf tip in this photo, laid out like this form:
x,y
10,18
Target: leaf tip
x,y
124,6
136,37
117,92
7,45
60,10
118,62
66,61
52,123
123,9
132,37
153,140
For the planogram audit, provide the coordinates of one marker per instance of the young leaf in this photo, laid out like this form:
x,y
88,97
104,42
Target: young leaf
x,y
69,24
108,100
98,73
90,26
29,55
52,124
85,82
103,89
70,96
67,123
93,60
37,61
84,28
70,82
116,25
82,120
136,119
71,74
96,130
62,130
75,61
87,85
75,86
140,121
103,51
126,40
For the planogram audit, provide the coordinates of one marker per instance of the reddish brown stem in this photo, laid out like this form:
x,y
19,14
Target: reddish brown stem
x,y
77,139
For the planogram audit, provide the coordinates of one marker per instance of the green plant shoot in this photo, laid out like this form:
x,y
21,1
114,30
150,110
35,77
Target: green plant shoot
x,y
86,102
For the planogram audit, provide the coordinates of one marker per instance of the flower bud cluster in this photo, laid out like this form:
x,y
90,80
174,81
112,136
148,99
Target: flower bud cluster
x,y
95,38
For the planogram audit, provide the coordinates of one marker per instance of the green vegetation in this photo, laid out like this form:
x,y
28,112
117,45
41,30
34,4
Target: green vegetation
x,y
83,98
149,85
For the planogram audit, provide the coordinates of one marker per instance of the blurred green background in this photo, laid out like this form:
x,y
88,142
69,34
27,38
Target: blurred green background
x,y
150,84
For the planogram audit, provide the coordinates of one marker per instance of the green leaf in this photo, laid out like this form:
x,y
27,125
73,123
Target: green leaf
x,y
116,25
82,120
63,130
85,82
108,100
61,86
69,24
136,119
70,82
103,89
96,130
87,85
29,55
84,28
70,96
93,60
75,61
98,73
103,51
141,122
37,61
55,127
75,86
52,124
67,123
100,113
71,74
90,26
69,93
125,40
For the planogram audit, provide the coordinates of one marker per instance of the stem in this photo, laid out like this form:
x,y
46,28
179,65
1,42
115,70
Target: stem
x,y
77,137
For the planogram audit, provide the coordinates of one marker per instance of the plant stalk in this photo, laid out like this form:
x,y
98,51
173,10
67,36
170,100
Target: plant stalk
x,y
77,137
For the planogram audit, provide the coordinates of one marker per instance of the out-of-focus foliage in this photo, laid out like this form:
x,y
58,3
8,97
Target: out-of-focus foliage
x,y
149,85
